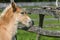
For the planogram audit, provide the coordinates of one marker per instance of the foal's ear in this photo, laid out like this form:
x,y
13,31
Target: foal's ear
x,y
13,6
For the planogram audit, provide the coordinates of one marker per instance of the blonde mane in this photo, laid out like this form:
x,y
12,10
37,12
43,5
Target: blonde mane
x,y
5,10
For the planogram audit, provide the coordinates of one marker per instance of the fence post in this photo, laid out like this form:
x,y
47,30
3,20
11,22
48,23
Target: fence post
x,y
41,18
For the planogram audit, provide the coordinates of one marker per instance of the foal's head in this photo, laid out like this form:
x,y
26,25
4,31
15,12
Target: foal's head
x,y
21,15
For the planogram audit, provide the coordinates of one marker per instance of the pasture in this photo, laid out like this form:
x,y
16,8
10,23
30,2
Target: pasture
x,y
49,24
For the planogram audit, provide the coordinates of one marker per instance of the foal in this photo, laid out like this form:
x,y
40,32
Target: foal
x,y
9,19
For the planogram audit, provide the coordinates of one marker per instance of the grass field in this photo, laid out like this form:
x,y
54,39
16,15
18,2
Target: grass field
x,y
24,35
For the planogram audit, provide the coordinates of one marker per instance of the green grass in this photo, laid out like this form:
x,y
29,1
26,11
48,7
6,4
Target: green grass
x,y
51,24
0,10
24,35
35,16
49,38
48,16
31,7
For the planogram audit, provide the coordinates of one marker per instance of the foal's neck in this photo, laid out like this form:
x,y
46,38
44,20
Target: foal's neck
x,y
9,21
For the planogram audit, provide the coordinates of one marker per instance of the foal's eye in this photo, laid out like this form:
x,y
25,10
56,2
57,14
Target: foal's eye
x,y
22,12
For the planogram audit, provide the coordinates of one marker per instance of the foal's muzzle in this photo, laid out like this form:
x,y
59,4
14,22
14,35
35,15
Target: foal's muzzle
x,y
31,23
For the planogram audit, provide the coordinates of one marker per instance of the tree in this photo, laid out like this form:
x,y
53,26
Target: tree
x,y
56,3
0,0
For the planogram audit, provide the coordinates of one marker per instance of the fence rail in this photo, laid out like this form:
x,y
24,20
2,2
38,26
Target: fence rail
x,y
43,31
40,4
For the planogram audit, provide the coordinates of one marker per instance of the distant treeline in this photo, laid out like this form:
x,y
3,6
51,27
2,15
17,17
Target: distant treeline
x,y
28,0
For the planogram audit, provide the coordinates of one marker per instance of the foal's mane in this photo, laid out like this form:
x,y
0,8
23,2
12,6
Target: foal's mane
x,y
5,10
6,14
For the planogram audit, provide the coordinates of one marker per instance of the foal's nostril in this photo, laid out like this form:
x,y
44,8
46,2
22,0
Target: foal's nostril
x,y
32,22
